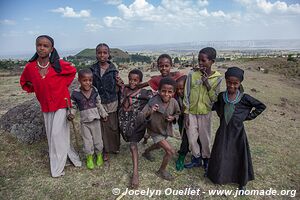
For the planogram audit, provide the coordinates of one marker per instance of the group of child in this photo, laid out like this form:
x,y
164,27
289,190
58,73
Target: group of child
x,y
109,107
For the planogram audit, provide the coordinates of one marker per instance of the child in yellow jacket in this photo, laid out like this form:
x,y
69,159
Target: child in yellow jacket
x,y
201,91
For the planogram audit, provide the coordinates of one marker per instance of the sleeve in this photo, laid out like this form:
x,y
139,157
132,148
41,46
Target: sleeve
x,y
101,109
24,79
217,106
68,71
74,104
177,111
187,92
144,115
215,90
258,106
153,82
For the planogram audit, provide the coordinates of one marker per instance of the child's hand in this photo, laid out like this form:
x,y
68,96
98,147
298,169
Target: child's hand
x,y
119,82
70,117
104,119
170,118
155,107
186,121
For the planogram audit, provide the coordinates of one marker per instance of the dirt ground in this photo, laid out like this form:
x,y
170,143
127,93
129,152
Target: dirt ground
x,y
273,137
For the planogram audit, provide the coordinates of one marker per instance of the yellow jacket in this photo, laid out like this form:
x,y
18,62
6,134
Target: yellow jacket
x,y
197,99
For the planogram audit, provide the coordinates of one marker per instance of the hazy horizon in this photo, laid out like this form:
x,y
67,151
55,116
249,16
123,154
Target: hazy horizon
x,y
226,45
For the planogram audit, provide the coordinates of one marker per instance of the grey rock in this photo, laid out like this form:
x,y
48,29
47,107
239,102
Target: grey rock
x,y
25,122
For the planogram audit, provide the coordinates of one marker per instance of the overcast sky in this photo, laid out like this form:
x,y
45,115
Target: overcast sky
x,y
85,23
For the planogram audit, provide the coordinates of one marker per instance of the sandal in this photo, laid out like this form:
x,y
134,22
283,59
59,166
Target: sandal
x,y
164,175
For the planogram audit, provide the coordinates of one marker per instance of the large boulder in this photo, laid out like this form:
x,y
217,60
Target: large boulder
x,y
25,122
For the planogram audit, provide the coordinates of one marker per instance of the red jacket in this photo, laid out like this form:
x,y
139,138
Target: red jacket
x,y
154,81
52,90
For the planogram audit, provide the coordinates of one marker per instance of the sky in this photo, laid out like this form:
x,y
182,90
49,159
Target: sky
x,y
80,24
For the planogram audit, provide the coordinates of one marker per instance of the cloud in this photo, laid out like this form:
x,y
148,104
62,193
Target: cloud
x,y
278,6
116,22
69,12
113,2
7,22
267,7
31,32
92,27
202,3
173,12
139,10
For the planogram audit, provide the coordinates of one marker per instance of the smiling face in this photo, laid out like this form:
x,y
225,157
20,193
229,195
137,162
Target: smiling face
x,y
164,66
102,54
204,62
43,47
134,80
166,92
86,81
232,84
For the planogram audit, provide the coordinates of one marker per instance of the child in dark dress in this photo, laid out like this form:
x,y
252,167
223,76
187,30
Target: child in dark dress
x,y
133,100
230,160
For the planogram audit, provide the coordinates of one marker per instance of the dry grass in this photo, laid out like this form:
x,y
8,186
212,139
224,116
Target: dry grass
x,y
273,137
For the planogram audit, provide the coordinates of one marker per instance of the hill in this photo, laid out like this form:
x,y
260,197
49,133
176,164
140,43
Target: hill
x,y
115,53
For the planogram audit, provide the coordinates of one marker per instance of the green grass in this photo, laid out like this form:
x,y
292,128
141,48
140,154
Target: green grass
x,y
273,137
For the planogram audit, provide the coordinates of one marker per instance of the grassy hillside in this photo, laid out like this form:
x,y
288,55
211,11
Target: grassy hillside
x,y
90,53
273,137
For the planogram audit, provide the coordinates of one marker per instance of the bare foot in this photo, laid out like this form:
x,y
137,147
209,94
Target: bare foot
x,y
135,182
105,157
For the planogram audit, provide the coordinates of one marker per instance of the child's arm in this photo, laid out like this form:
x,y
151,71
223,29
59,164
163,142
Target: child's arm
x,y
101,109
25,81
174,118
142,85
214,89
258,106
68,71
73,108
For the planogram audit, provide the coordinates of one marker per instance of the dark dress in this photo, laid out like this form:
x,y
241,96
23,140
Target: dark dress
x,y
230,160
132,103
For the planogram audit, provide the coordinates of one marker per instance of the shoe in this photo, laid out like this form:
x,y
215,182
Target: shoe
x,y
99,160
180,162
205,166
195,162
148,156
89,162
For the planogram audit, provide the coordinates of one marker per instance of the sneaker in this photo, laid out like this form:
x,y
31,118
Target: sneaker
x,y
89,162
99,160
195,162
